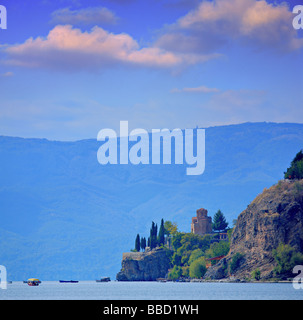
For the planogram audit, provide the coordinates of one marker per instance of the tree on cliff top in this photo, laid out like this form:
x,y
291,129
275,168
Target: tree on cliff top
x,y
295,171
137,243
152,241
161,234
143,243
170,228
219,223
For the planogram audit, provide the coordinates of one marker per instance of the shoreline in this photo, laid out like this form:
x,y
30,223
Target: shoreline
x,y
166,280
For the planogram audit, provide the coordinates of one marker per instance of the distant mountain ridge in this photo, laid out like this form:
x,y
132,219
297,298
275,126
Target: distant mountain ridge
x,y
63,215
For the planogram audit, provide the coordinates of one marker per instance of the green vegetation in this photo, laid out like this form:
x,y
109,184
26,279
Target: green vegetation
x,y
188,251
219,223
256,274
184,244
197,268
137,243
217,249
155,239
298,191
188,259
286,257
152,240
143,243
161,234
295,171
191,254
170,228
197,253
175,273
236,261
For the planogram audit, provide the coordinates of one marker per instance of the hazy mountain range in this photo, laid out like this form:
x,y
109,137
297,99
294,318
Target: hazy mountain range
x,y
65,216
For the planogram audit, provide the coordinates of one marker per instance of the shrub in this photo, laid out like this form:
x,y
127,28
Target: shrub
x,y
185,272
236,261
298,191
218,249
256,274
176,259
175,273
197,269
295,171
286,258
195,255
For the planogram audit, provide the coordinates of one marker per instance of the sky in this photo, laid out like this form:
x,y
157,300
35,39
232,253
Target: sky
x,y
69,68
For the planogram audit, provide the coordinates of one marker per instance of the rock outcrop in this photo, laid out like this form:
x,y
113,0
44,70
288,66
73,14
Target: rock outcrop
x,y
144,266
274,217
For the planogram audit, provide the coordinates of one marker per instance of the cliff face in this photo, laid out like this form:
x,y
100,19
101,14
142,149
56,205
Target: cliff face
x,y
274,217
144,266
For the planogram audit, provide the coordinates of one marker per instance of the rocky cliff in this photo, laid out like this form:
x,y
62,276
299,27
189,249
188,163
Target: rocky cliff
x,y
274,217
144,266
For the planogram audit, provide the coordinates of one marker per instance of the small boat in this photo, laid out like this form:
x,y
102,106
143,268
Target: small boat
x,y
68,281
33,282
105,279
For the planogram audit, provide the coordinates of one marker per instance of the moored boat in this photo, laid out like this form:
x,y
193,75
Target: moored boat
x,y
105,279
33,282
68,281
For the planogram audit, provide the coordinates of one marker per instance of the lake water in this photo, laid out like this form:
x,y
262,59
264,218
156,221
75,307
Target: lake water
x,y
90,290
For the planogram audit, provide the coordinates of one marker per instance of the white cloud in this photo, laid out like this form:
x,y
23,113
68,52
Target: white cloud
x,y
248,104
194,38
201,89
68,48
87,16
214,24
7,74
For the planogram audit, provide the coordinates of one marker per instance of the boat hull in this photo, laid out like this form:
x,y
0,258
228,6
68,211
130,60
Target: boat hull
x,y
33,283
106,279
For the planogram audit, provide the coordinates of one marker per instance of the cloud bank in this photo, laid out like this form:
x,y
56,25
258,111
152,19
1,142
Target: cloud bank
x,y
194,38
66,47
215,24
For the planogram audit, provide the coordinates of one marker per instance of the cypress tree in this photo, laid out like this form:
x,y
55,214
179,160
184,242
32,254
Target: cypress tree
x,y
143,243
137,243
153,235
161,234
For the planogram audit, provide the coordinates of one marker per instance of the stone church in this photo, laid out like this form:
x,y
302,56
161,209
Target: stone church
x,y
201,224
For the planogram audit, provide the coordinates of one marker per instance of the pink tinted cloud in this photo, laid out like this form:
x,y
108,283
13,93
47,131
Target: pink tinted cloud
x,y
215,23
66,47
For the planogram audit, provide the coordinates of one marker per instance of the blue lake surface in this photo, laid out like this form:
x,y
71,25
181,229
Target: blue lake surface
x,y
91,290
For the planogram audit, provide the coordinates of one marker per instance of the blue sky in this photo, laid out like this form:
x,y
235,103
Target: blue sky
x,y
69,68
